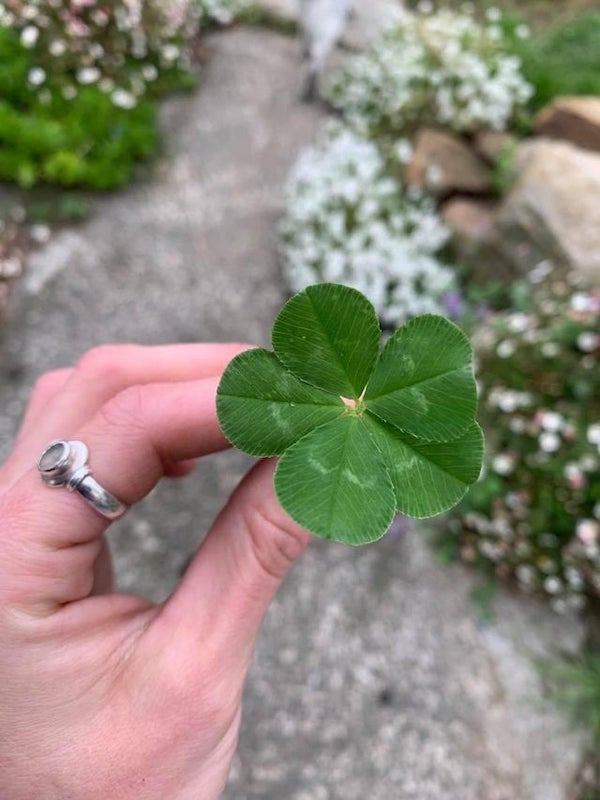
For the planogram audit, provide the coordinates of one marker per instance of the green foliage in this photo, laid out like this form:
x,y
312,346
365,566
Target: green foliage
x,y
504,172
82,141
560,61
361,434
576,686
258,16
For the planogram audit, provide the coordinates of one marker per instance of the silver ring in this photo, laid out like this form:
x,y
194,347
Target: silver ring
x,y
65,464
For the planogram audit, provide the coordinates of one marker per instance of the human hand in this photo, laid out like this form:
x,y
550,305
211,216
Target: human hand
x,y
104,695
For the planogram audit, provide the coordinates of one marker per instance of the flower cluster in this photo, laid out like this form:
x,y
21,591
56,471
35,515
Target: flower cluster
x,y
120,46
535,515
444,68
219,12
348,221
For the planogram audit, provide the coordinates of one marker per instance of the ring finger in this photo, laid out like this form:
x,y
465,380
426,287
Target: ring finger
x,y
51,537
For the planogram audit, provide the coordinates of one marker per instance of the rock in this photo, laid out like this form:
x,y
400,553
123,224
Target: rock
x,y
475,238
472,220
492,145
553,209
574,119
444,164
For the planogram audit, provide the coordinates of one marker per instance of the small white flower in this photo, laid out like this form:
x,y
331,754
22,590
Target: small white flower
x,y
493,14
29,36
36,76
434,175
123,99
149,72
587,531
506,348
588,342
57,48
40,233
553,585
171,52
404,150
526,575
593,434
518,322
88,75
549,442
517,425
503,464
551,421
69,92
550,349
523,31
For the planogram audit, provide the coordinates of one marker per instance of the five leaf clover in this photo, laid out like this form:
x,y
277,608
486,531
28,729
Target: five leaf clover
x,y
362,434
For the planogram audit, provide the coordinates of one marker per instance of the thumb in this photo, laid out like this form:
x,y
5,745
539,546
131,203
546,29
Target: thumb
x,y
229,585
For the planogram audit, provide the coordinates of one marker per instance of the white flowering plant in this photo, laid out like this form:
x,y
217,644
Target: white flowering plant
x,y
445,68
347,220
535,515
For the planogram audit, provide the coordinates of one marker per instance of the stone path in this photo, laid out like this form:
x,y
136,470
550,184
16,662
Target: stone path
x,y
373,678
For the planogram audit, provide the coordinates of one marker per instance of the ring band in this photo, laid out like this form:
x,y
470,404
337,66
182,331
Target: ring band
x,y
65,464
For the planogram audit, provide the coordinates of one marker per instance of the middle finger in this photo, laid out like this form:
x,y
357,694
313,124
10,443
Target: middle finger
x,y
103,373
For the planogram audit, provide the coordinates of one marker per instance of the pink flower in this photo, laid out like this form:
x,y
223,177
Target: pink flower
x,y
587,531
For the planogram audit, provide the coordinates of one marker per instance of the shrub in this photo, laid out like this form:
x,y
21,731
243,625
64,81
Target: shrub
x,y
120,46
347,221
77,85
82,141
534,516
444,68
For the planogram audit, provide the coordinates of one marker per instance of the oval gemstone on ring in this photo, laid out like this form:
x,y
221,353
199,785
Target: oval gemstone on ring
x,y
54,457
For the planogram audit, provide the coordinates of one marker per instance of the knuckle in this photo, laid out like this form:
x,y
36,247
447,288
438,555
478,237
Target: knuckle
x,y
126,409
103,363
276,540
48,382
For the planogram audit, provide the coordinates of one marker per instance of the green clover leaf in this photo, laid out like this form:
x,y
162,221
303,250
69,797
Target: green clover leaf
x,y
362,435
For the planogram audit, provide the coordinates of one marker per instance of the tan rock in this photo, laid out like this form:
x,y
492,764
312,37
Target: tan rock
x,y
574,119
475,238
492,145
469,219
553,211
444,164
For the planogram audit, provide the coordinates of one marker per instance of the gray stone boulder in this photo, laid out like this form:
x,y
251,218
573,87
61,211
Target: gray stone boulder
x,y
553,210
